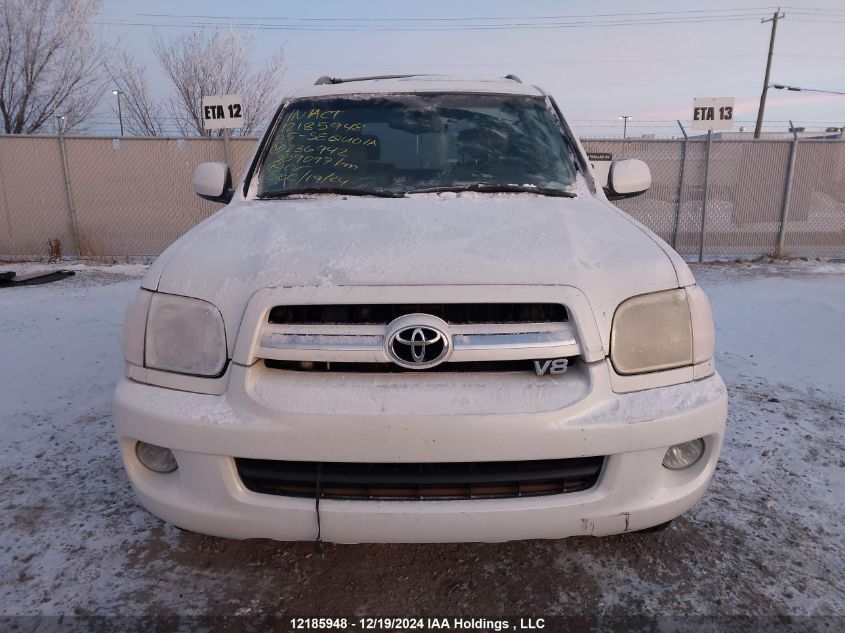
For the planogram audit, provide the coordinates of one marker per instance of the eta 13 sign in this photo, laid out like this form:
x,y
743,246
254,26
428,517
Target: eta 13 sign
x,y
223,111
712,113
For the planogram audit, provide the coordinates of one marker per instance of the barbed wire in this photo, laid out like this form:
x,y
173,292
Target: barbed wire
x,y
108,126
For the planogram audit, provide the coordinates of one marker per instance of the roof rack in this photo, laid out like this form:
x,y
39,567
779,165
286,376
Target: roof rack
x,y
325,79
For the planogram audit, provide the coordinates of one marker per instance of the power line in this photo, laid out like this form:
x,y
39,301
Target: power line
x,y
344,25
713,12
817,15
476,27
820,21
562,62
809,56
816,9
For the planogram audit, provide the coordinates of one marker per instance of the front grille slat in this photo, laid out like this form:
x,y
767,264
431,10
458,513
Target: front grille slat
x,y
384,313
390,368
420,481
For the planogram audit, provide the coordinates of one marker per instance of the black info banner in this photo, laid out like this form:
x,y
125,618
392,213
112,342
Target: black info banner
x,y
403,624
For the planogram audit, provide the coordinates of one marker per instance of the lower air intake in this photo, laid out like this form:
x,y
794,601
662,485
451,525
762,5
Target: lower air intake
x,y
423,481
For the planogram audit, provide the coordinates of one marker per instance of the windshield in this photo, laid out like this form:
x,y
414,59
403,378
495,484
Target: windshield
x,y
396,144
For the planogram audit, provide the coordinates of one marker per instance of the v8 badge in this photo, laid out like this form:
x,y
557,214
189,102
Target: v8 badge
x,y
551,366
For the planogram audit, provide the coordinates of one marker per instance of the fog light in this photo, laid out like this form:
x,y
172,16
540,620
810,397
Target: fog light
x,y
156,458
683,455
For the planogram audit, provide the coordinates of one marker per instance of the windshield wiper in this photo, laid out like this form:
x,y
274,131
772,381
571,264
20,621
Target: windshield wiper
x,y
343,191
489,187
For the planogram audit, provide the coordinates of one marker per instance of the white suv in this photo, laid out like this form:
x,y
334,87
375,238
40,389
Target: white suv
x,y
419,319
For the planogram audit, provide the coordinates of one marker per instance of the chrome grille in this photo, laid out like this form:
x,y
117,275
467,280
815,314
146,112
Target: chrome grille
x,y
325,336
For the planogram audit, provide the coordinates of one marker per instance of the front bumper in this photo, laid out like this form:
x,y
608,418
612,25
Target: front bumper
x,y
633,430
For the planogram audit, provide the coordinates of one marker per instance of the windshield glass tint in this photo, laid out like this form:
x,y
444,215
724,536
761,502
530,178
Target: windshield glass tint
x,y
399,143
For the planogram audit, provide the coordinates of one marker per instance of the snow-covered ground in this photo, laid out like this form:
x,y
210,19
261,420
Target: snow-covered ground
x,y
766,539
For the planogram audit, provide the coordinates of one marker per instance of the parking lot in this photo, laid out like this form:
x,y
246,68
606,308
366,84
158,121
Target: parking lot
x,y
765,540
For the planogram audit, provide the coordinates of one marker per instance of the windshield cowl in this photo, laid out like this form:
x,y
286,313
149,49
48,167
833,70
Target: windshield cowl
x,y
479,188
483,187
336,191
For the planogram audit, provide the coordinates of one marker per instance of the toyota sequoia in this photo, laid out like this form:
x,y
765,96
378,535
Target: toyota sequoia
x,y
419,318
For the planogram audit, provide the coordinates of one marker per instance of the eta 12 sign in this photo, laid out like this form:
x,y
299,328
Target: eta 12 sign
x,y
224,111
712,113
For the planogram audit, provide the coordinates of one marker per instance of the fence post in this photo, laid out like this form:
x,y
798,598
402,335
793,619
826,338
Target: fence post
x,y
680,187
6,205
226,147
787,194
74,224
705,196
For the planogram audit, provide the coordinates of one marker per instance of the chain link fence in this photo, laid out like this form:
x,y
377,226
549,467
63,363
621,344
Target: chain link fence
x,y
133,196
726,198
117,197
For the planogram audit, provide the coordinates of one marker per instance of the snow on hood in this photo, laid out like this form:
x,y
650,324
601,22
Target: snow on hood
x,y
466,239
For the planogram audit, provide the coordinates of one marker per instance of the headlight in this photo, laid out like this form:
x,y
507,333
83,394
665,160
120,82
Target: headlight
x,y
185,336
662,330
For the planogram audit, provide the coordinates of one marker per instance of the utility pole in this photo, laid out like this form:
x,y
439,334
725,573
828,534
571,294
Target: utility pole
x,y
774,20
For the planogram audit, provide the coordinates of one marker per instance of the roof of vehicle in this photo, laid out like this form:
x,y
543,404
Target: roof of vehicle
x,y
416,83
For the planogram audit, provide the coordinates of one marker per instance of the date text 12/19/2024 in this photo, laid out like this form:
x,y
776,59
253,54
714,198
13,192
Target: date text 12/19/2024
x,y
416,624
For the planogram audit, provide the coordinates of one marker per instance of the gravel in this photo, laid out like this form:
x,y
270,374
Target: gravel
x,y
766,539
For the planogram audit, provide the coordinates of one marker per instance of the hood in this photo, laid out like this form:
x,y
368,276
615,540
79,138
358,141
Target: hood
x,y
432,239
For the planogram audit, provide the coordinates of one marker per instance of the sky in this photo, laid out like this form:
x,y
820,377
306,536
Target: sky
x,y
596,73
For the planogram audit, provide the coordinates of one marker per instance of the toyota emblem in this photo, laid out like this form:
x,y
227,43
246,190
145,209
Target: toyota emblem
x,y
418,345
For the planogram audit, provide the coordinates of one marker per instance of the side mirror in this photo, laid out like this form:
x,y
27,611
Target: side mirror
x,y
627,178
213,181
